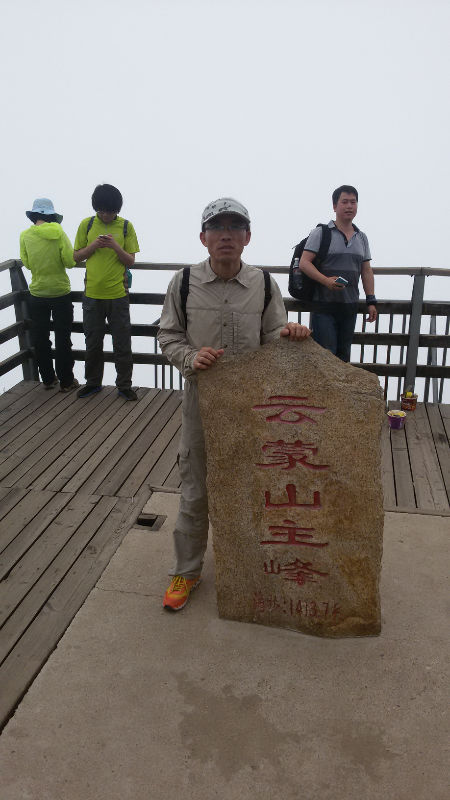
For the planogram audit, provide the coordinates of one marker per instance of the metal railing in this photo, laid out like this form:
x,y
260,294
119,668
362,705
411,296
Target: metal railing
x,y
408,315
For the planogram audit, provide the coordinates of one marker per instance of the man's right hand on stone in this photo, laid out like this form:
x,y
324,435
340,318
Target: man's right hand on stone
x,y
206,357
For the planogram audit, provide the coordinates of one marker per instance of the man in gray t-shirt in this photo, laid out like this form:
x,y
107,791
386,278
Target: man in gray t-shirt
x,y
348,257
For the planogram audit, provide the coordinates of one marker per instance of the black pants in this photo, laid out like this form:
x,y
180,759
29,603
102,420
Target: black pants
x,y
95,314
42,309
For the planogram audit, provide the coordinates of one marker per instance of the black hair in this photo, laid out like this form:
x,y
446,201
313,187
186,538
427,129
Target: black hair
x,y
34,216
106,198
347,189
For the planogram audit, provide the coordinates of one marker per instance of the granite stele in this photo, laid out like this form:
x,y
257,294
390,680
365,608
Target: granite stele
x,y
294,487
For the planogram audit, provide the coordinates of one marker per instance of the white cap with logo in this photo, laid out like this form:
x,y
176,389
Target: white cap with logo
x,y
224,205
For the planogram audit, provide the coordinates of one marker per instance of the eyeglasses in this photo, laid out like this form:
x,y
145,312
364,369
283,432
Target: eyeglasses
x,y
219,227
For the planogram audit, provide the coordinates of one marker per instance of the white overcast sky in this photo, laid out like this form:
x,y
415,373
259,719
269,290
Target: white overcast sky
x,y
275,102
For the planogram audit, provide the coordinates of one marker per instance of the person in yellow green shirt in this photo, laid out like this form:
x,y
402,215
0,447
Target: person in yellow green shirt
x,y
108,244
47,252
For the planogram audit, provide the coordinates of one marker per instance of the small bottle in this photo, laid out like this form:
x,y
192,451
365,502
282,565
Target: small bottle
x,y
296,267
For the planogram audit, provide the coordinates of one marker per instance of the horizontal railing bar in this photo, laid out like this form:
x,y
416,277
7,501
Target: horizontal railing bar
x,y
366,338
138,298
13,361
394,339
11,331
283,270
9,299
383,306
431,307
138,358
392,370
7,264
399,370
437,308
433,340
137,329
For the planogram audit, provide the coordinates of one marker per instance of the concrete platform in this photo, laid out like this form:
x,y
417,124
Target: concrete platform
x,y
139,704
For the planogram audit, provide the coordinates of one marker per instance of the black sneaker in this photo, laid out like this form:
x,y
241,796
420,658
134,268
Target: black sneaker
x,y
85,391
129,394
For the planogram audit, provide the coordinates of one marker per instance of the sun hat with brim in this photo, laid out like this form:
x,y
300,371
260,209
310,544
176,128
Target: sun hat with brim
x,y
43,208
224,205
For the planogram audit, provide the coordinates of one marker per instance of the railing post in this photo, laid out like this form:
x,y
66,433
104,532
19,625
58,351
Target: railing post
x,y
414,332
19,284
433,360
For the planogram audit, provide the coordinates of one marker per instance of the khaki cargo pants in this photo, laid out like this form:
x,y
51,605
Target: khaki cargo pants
x,y
191,529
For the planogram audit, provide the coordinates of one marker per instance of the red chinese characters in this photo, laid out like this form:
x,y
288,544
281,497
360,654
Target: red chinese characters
x,y
298,571
290,531
290,455
291,492
287,455
290,409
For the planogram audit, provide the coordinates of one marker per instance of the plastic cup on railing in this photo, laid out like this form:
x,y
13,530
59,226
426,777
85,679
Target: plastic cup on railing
x,y
396,419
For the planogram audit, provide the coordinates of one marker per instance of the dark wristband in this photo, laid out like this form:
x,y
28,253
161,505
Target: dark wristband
x,y
371,300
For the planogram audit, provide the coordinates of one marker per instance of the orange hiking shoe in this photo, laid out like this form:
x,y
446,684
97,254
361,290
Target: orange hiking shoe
x,y
178,592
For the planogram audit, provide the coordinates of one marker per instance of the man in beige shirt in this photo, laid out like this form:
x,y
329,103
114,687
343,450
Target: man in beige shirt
x,y
230,308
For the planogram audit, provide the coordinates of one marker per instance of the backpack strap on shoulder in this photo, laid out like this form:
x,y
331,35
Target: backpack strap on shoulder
x,y
125,228
324,242
184,291
267,289
90,224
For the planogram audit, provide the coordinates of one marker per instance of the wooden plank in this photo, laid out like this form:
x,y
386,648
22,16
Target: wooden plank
x,y
404,489
9,499
32,399
41,637
31,532
158,463
13,395
52,576
33,464
64,468
87,447
132,469
19,434
173,480
52,463
24,512
24,575
445,415
387,469
424,511
109,452
58,423
441,443
428,484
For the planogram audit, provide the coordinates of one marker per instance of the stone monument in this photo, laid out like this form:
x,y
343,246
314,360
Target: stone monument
x,y
294,485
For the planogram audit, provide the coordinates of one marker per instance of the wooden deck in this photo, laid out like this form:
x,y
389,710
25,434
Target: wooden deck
x,y
416,461
75,475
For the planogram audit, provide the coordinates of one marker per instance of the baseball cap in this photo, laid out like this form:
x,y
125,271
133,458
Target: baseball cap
x,y
224,205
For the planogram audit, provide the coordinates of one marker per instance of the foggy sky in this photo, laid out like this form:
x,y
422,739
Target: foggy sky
x,y
273,102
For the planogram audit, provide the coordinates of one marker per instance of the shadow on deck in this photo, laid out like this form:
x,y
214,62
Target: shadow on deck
x,y
75,475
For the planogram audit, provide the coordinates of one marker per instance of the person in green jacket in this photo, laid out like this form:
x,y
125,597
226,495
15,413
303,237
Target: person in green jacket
x,y
47,252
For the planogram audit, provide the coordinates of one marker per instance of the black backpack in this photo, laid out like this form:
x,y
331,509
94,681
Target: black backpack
x,y
301,287
184,291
